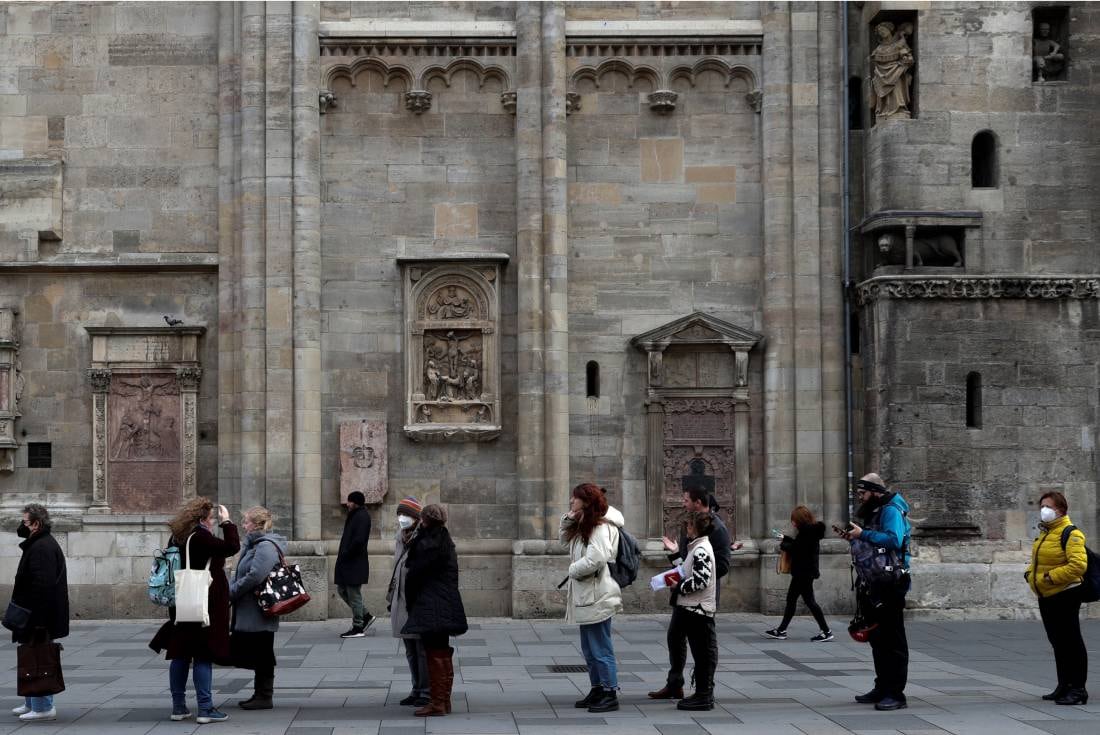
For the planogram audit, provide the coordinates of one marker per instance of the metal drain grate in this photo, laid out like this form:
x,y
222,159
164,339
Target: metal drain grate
x,y
567,669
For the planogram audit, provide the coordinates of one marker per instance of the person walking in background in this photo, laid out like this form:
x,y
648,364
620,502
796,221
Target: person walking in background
x,y
804,549
41,587
593,598
1058,563
696,500
434,604
408,520
193,645
696,603
353,565
252,642
883,515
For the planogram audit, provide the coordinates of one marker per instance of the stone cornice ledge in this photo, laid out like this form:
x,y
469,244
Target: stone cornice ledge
x,y
142,262
1014,286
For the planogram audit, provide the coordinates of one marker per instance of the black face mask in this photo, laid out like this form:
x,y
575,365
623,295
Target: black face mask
x,y
23,531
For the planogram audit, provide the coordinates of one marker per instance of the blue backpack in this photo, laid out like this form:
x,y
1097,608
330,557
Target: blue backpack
x,y
1090,580
162,577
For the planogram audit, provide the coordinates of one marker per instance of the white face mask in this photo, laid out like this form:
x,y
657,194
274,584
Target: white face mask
x,y
404,522
1046,515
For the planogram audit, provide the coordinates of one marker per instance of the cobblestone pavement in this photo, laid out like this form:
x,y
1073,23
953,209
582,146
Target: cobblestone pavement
x,y
968,678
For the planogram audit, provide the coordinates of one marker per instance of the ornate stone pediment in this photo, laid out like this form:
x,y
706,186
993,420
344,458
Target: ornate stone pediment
x,y
698,329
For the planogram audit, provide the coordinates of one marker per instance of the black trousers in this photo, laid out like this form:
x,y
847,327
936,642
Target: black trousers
x,y
697,631
1063,627
890,648
802,587
435,641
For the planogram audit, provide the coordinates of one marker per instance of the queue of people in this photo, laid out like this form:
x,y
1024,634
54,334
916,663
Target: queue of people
x,y
426,608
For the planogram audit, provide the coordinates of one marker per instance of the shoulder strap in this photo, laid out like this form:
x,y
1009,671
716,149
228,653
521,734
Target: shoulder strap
x,y
188,552
277,549
1066,534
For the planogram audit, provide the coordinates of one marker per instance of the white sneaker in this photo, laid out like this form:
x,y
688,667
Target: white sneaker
x,y
20,710
50,714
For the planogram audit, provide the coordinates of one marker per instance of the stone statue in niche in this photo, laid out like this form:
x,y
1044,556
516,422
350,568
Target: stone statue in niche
x,y
939,249
1046,55
891,72
450,304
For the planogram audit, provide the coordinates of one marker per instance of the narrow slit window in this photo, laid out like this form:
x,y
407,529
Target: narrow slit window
x,y
974,400
855,103
983,161
39,455
853,333
592,379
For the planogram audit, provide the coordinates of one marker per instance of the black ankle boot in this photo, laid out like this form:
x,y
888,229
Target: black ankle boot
x,y
698,702
1074,695
608,702
589,698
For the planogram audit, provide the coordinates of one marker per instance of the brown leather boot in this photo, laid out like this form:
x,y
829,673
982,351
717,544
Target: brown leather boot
x,y
437,684
449,677
668,692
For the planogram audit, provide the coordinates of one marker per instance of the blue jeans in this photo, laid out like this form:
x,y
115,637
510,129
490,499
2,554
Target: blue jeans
x,y
204,682
599,654
39,704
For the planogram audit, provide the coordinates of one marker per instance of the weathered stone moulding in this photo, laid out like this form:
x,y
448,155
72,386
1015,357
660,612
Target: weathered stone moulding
x,y
145,383
11,389
452,355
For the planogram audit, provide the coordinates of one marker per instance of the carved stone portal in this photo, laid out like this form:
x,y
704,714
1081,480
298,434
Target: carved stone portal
x,y
697,419
145,384
452,311
363,460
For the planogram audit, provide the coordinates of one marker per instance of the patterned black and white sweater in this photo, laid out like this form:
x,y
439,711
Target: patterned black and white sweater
x,y
697,590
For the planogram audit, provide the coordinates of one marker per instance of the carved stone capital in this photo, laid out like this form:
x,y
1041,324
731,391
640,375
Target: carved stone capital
x,y
572,103
326,100
663,100
508,101
189,378
978,287
418,101
100,379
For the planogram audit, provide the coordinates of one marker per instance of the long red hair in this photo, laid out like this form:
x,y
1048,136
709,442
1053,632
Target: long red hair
x,y
595,508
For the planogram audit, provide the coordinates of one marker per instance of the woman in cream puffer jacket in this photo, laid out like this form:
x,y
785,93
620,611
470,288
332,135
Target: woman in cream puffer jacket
x,y
591,529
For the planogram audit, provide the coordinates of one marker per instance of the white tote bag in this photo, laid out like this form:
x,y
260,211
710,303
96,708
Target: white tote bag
x,y
193,592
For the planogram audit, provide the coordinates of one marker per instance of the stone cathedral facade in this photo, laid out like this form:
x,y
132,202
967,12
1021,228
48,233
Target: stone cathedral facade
x,y
477,253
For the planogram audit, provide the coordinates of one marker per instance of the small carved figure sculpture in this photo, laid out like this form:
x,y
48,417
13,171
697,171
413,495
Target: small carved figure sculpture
x,y
891,77
450,305
432,380
939,249
362,457
1046,54
471,379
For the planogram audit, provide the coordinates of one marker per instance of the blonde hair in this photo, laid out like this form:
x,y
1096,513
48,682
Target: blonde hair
x,y
261,517
188,516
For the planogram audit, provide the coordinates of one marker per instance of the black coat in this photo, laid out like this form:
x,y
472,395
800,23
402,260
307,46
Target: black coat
x,y
804,549
191,640
352,563
431,585
719,537
42,586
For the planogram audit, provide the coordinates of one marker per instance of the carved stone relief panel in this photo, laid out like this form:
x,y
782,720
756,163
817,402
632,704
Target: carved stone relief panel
x,y
452,311
11,384
363,459
698,449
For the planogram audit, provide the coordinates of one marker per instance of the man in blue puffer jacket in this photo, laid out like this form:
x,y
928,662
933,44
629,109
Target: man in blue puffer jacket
x,y
883,515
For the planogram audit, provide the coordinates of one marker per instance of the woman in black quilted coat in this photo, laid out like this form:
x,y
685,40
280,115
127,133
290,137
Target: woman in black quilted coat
x,y
434,604
804,549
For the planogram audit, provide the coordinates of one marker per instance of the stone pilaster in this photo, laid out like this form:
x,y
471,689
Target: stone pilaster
x,y
555,242
655,457
229,233
253,301
279,262
779,383
100,379
530,458
307,274
188,379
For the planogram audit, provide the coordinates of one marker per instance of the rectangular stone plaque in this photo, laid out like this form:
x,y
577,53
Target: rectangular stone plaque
x,y
143,442
363,461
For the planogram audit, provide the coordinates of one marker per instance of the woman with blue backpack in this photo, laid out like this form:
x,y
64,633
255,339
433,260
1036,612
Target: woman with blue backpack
x,y
1058,564
591,531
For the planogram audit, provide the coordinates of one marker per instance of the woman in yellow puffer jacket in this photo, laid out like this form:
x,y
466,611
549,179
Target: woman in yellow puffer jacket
x,y
1054,575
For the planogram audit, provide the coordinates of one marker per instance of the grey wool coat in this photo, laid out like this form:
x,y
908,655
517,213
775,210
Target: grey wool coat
x,y
395,595
258,558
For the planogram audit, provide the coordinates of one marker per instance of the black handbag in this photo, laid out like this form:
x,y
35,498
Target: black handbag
x,y
283,591
39,667
16,618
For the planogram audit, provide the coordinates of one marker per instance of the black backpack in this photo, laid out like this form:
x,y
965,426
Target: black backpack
x,y
1090,580
628,559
